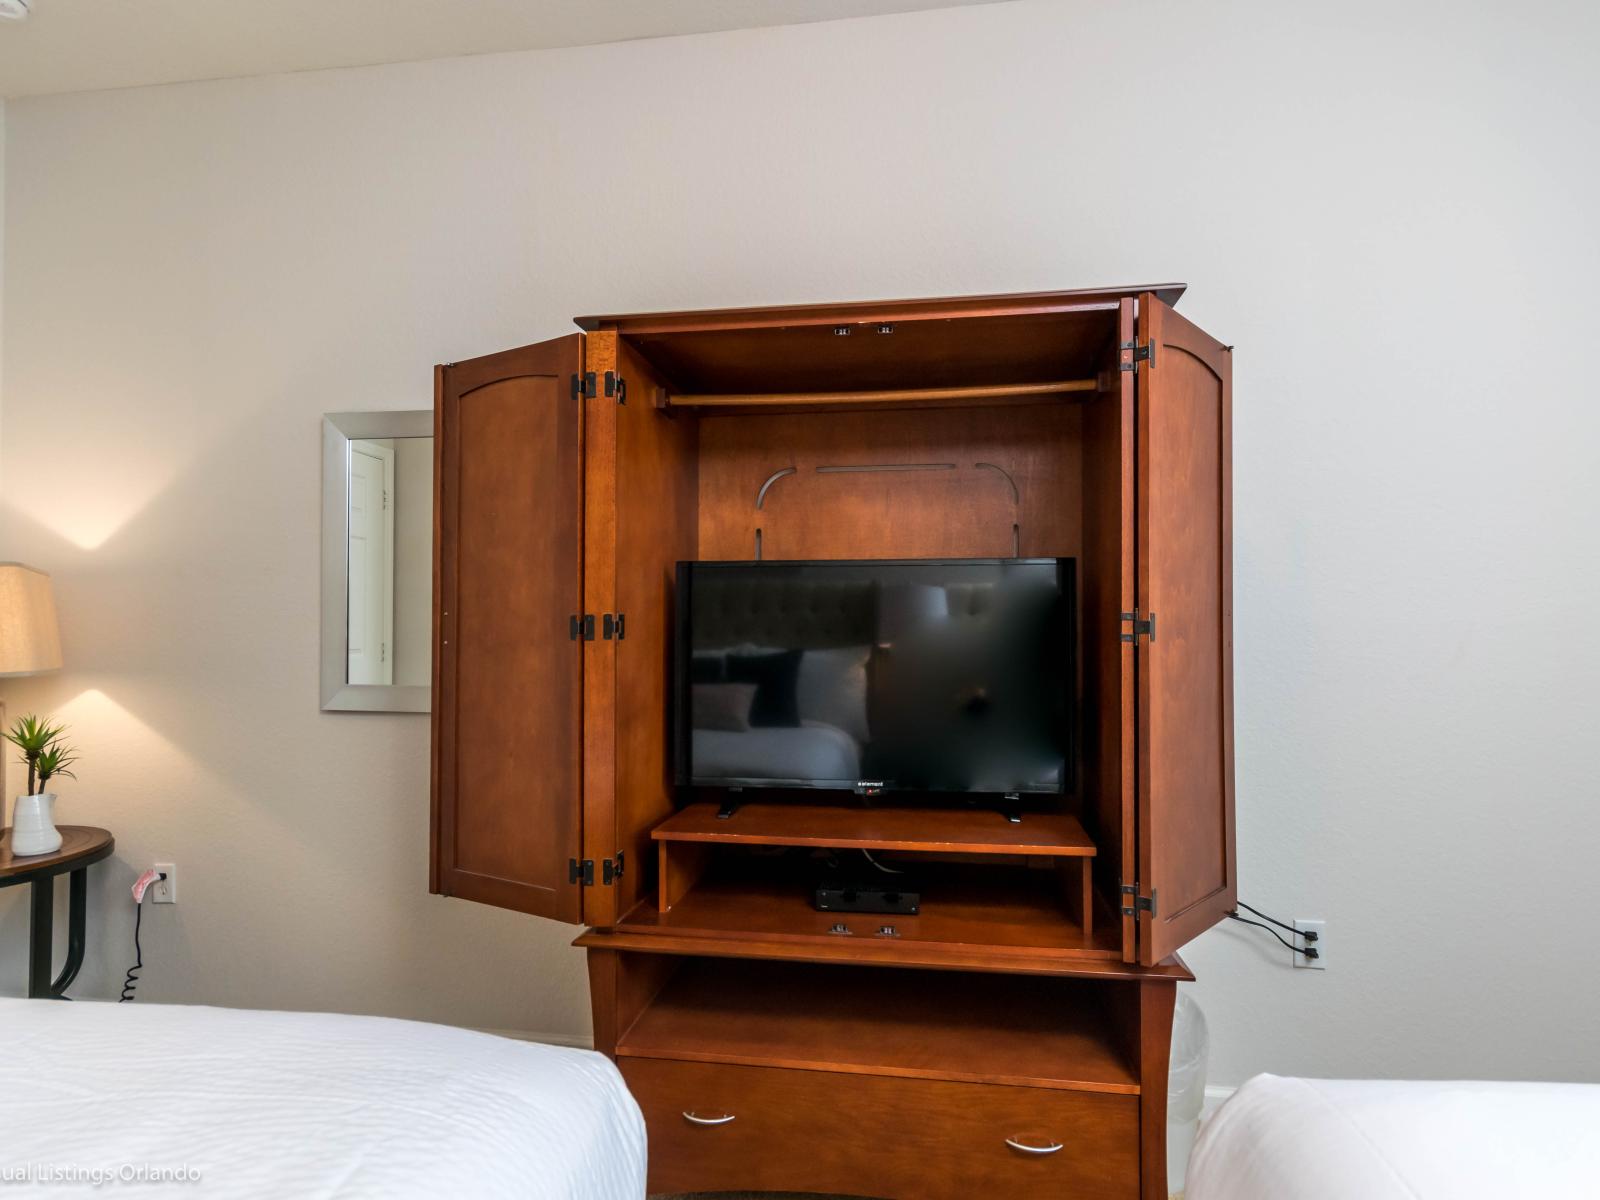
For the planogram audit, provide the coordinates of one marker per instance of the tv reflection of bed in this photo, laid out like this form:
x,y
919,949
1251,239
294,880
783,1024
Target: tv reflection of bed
x,y
805,753
805,649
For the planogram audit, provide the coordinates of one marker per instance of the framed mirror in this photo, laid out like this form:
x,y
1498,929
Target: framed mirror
x,y
377,561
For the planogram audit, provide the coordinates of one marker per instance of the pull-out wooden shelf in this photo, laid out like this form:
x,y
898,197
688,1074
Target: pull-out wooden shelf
x,y
685,841
1019,1030
963,909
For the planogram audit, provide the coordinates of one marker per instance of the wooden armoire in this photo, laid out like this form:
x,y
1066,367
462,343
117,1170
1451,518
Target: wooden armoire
x,y
1013,1035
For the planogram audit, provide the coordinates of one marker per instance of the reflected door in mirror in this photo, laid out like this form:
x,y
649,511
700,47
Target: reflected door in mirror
x,y
371,562
377,561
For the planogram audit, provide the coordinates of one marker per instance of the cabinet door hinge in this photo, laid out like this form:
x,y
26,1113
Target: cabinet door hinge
x,y
581,627
583,385
1131,354
581,872
1140,903
616,386
1144,625
611,869
610,626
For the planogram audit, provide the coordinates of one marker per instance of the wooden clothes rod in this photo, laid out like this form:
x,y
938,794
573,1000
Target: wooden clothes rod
x,y
889,396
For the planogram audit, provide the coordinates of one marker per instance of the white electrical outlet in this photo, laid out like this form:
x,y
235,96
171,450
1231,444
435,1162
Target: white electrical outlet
x,y
165,891
1320,928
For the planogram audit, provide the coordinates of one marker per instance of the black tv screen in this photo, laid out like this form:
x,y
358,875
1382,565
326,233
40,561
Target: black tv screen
x,y
932,675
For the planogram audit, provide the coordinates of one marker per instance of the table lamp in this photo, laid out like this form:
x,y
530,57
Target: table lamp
x,y
30,642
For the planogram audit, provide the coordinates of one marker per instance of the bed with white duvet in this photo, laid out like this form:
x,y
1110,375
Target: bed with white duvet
x,y
1342,1139
171,1101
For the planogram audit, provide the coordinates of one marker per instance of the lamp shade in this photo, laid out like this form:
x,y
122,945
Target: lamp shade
x,y
30,642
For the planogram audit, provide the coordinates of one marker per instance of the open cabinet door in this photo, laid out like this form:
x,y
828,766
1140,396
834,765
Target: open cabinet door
x,y
508,579
640,519
1183,631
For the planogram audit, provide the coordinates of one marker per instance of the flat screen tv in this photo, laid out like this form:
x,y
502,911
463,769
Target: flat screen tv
x,y
927,675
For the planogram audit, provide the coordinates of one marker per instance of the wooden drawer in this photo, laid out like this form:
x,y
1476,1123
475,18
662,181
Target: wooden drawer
x,y
881,1136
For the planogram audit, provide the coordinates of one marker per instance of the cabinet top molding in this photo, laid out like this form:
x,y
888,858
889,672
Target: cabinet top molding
x,y
862,312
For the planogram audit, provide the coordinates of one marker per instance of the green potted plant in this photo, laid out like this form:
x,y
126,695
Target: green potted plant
x,y
33,828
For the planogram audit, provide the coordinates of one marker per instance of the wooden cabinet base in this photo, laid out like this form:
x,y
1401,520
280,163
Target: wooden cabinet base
x,y
909,1139
768,1075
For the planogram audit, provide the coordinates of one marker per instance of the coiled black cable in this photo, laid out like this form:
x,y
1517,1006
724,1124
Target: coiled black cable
x,y
132,981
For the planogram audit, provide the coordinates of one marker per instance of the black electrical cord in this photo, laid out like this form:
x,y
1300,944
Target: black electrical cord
x,y
867,854
132,981
1308,935
1309,951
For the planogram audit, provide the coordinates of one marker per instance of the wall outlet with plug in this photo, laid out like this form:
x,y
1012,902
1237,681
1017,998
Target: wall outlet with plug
x,y
165,891
1320,945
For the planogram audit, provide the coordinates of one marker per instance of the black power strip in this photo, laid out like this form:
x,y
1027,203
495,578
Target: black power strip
x,y
873,897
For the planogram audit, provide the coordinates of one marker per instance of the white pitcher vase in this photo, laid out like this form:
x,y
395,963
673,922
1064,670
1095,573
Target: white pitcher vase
x,y
33,827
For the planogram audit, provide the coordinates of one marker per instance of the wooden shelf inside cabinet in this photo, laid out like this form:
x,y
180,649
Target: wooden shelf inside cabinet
x,y
882,827
1018,1030
684,839
1015,911
1015,393
919,955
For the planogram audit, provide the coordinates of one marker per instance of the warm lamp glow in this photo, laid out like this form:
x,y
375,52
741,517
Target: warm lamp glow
x,y
94,515
113,476
30,642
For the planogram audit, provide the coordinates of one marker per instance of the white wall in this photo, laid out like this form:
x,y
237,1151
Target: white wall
x,y
1386,207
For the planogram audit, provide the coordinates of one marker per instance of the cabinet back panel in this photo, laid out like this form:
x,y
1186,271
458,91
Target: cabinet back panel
x,y
1038,479
924,483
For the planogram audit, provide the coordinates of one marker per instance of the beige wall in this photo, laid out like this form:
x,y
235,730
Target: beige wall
x,y
1386,207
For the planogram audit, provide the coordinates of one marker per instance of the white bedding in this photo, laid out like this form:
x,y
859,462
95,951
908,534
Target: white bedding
x,y
808,751
1327,1139
305,1105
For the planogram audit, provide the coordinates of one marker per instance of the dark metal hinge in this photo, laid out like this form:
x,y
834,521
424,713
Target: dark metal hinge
x,y
581,627
1131,354
584,385
581,872
616,386
611,868
1140,903
1144,625
610,626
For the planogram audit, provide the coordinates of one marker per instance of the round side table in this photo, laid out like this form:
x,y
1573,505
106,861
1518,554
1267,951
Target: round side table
x,y
81,847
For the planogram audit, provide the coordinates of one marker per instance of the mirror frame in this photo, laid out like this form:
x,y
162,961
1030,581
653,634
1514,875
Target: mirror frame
x,y
338,431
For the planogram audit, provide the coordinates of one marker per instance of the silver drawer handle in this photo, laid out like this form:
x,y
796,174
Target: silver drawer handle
x,y
722,1120
1026,1149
